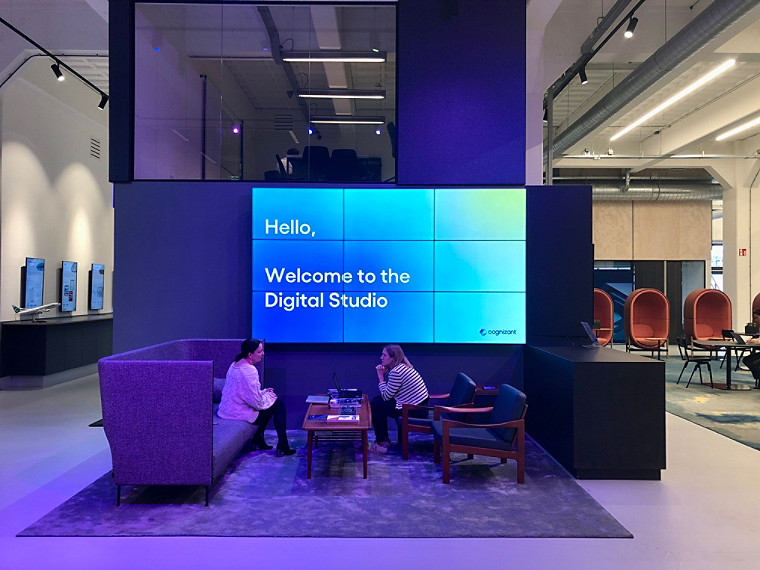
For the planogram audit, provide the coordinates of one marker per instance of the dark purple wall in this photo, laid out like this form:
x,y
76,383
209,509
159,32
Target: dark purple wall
x,y
461,92
183,270
560,272
183,249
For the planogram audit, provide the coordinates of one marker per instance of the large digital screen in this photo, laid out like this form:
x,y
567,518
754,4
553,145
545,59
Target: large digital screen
x,y
97,283
444,265
34,283
69,286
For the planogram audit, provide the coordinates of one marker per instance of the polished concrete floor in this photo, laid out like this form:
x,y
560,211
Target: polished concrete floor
x,y
705,513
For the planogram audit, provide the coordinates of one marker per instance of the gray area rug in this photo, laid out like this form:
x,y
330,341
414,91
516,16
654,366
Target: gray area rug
x,y
734,414
262,495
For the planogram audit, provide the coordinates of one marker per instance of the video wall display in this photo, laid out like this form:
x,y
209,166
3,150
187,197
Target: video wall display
x,y
68,286
97,284
444,265
34,282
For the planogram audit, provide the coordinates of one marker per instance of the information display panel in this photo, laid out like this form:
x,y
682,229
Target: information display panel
x,y
97,284
69,286
34,283
444,265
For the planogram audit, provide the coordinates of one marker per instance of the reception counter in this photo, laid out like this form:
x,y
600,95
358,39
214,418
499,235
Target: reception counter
x,y
33,352
600,412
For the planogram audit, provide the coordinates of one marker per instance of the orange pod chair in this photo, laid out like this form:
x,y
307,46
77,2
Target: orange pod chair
x,y
646,320
756,302
604,312
706,312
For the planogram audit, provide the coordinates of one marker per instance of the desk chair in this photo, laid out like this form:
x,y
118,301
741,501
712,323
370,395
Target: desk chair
x,y
687,355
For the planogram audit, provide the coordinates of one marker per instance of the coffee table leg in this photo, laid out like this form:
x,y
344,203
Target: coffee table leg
x,y
308,453
365,449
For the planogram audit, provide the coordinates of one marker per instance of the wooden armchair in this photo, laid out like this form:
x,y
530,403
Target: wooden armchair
x,y
412,418
503,436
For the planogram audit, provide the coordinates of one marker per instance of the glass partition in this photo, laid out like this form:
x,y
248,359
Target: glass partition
x,y
301,92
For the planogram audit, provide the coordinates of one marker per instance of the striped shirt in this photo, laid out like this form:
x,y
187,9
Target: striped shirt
x,y
405,385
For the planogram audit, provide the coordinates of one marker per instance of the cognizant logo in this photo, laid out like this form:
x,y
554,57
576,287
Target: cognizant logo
x,y
497,332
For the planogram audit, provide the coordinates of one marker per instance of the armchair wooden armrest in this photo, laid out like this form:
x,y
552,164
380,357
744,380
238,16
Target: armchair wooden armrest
x,y
438,396
448,424
464,409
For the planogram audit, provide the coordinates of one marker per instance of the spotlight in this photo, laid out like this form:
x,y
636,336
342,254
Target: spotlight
x,y
582,75
631,27
235,129
311,131
378,132
57,70
103,101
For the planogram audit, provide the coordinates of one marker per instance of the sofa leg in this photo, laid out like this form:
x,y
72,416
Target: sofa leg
x,y
118,495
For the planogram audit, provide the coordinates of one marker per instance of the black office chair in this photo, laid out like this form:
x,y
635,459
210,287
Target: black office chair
x,y
344,165
688,357
317,160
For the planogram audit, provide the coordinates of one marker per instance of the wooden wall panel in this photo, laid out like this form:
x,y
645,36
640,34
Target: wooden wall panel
x,y
652,230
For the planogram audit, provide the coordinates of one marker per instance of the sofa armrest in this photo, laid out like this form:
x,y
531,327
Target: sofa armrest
x,y
157,416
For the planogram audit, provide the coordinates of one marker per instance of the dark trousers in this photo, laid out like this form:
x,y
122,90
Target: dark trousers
x,y
276,411
384,409
752,361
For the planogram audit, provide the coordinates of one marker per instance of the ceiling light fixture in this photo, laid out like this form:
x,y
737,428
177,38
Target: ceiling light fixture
x,y
57,70
631,27
57,64
348,120
740,128
582,75
677,97
335,56
341,94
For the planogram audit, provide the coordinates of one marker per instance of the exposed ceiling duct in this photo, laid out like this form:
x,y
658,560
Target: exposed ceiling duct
x,y
691,38
649,190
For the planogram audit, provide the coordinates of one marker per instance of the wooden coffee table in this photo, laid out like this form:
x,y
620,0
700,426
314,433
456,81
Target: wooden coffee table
x,y
336,431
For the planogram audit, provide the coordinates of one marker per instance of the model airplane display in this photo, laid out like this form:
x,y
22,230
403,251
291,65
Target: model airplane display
x,y
36,311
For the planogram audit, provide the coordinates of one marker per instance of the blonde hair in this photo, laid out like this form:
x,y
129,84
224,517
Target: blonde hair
x,y
397,356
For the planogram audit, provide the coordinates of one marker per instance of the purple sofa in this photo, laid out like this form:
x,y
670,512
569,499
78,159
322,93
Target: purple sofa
x,y
159,413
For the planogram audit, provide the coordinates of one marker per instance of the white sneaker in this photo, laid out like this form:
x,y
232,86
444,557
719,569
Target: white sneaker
x,y
379,447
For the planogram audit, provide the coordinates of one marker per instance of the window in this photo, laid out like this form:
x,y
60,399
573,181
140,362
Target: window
x,y
244,92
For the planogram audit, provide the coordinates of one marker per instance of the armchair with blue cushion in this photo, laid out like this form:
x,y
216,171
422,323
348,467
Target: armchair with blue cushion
x,y
462,393
503,436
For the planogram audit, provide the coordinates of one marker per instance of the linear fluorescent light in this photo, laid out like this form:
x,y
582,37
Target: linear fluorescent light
x,y
348,120
740,128
341,94
677,97
335,56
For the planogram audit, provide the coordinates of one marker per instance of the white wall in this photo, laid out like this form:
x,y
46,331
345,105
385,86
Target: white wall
x,y
55,199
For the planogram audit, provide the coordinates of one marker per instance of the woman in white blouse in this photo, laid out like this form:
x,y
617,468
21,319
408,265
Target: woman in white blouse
x,y
243,398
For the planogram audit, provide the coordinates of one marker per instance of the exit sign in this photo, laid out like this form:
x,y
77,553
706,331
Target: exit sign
x,y
742,252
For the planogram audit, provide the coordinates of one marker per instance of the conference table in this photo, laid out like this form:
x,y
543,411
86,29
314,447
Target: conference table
x,y
727,345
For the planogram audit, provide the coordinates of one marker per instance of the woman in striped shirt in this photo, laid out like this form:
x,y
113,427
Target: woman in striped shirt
x,y
399,383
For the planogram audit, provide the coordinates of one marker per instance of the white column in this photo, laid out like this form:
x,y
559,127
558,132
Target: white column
x,y
741,266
